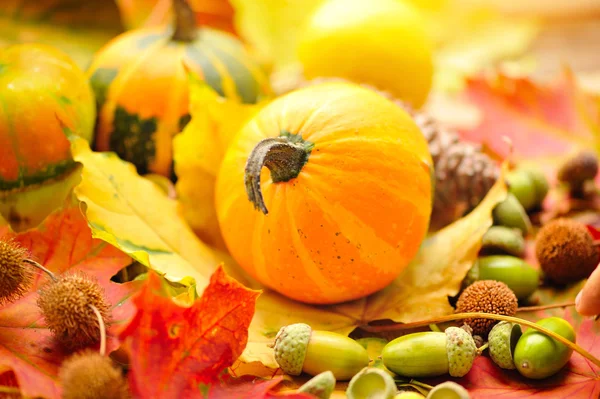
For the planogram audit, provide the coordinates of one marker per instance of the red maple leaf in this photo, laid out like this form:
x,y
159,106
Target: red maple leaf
x,y
542,121
174,350
63,243
578,379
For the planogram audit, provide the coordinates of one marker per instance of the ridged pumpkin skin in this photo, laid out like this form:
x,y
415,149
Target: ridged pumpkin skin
x,y
141,87
44,96
355,215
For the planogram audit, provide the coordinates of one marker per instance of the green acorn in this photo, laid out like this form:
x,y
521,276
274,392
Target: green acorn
x,y
539,356
501,240
430,354
448,390
298,348
510,213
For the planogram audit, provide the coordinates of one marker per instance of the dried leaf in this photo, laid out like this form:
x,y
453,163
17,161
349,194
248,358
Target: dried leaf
x,y
177,348
145,13
420,292
198,152
62,244
135,215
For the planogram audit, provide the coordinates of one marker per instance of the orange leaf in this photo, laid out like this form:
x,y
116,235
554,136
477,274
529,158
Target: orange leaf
x,y
248,387
578,379
63,243
174,349
541,121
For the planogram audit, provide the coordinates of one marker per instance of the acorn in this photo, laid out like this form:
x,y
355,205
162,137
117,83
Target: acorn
x,y
565,251
503,240
371,382
65,305
517,274
510,213
431,354
448,390
520,184
15,276
320,386
579,169
486,296
502,342
298,348
539,356
89,375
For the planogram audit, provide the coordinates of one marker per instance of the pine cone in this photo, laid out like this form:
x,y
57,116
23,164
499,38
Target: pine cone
x,y
463,173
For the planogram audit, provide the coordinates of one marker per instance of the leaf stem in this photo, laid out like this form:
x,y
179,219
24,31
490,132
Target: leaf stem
x,y
42,268
545,307
481,315
102,329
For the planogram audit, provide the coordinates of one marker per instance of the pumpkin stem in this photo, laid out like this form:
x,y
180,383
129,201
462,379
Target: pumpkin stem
x,y
186,29
284,156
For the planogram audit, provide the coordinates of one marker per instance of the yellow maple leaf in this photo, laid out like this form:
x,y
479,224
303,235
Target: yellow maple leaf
x,y
198,152
135,215
421,291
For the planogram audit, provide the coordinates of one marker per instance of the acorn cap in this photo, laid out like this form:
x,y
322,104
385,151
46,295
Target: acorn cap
x,y
565,251
579,168
65,305
15,277
503,240
502,341
510,213
321,385
89,375
448,390
371,382
486,296
461,351
290,347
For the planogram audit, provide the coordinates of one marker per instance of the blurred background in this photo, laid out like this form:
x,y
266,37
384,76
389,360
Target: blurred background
x,y
533,37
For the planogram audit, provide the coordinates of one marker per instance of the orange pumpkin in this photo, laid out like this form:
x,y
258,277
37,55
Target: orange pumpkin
x,y
343,203
45,97
141,85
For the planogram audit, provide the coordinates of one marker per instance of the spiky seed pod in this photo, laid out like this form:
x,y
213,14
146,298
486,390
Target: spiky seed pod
x,y
89,375
15,276
565,251
65,305
487,296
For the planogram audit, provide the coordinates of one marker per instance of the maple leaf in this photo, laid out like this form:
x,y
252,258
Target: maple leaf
x,y
251,388
578,379
179,348
544,122
62,244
